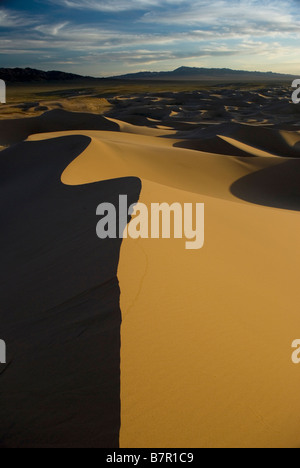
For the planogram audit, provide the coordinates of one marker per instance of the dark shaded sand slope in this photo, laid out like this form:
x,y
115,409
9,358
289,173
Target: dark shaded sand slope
x,y
60,309
16,130
234,139
276,186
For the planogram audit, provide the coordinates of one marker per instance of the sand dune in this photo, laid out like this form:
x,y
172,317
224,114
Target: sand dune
x,y
206,335
16,130
218,105
119,154
71,100
60,313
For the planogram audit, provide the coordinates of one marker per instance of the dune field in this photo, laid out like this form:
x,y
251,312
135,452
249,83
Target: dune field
x,y
142,343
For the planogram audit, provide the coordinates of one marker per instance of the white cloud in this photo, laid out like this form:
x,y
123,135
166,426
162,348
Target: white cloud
x,y
115,5
111,45
255,16
12,19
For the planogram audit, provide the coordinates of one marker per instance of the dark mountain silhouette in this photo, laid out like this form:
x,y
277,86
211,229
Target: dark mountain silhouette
x,y
188,73
11,75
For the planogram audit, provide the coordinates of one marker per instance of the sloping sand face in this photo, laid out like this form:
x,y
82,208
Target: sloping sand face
x,y
60,314
206,335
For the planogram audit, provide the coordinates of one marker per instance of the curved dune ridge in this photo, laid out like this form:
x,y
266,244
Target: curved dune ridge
x,y
206,335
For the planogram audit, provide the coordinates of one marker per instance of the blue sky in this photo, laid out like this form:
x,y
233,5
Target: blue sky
x,y
107,37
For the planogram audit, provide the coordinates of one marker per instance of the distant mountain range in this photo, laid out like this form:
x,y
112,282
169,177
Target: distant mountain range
x,y
11,75
190,74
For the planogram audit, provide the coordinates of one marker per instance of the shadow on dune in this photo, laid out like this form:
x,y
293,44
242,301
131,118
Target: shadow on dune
x,y
270,140
60,313
212,145
266,139
17,130
277,186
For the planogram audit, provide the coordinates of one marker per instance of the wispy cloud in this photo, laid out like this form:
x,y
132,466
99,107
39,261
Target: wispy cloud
x,y
112,45
163,32
114,5
246,16
14,19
